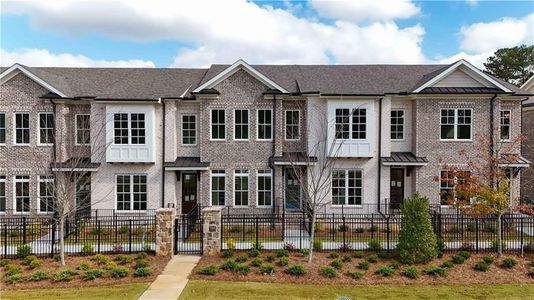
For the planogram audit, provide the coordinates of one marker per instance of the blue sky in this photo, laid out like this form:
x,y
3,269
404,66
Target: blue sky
x,y
182,34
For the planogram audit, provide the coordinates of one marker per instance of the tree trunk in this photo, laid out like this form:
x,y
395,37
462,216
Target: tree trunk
x,y
62,238
312,236
499,234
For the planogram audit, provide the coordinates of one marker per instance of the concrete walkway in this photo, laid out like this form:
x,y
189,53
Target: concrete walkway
x,y
170,283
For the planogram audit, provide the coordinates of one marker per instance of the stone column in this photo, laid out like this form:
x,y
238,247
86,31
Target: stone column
x,y
165,231
211,228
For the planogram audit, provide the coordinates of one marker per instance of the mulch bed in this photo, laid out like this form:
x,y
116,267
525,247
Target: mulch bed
x,y
459,274
156,265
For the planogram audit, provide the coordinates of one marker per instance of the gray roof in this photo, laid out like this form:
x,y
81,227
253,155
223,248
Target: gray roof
x,y
187,162
405,158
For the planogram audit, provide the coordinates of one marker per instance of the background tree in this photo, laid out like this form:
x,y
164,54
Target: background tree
x,y
515,65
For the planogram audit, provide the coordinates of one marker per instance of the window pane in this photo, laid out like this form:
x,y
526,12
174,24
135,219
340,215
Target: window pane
x,y
505,122
83,130
2,128
189,125
292,125
22,128
121,128
397,124
241,124
46,128
217,187
218,123
359,124
123,192
138,128
264,124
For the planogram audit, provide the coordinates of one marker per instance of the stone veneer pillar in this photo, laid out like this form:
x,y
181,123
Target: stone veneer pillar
x,y
211,227
165,231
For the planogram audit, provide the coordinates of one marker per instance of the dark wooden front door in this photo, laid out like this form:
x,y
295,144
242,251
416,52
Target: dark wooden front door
x,y
293,192
189,191
396,188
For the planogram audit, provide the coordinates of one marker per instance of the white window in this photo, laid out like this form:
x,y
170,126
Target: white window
x,y
241,124
46,129
397,124
129,128
218,124
456,124
22,128
22,193
292,118
505,122
2,193
189,130
264,187
241,188
131,192
2,128
347,187
46,194
83,129
218,190
265,124
351,126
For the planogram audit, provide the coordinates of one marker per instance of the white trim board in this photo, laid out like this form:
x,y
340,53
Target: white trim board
x,y
16,68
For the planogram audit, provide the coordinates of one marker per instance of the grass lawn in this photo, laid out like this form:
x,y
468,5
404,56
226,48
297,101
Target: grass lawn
x,y
197,289
124,291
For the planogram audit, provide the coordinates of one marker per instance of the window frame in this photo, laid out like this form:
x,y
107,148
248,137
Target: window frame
x,y
266,173
350,123
130,129
509,125
217,173
239,174
235,124
297,125
217,124
347,187
403,132
23,128
3,128
131,192
455,125
195,130
88,129
39,143
3,181
258,124
44,179
21,180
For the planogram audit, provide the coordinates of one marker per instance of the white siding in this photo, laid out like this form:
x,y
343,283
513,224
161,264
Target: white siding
x,y
458,78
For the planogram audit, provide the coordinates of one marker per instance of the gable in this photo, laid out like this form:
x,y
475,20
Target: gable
x,y
459,78
16,69
240,82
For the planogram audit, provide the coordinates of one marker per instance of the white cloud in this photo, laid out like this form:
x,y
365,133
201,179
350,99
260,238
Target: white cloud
x,y
472,2
477,60
224,31
43,58
361,10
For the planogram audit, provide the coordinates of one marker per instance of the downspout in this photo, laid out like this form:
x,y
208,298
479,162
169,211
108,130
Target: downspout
x,y
274,153
54,148
163,157
379,151
492,138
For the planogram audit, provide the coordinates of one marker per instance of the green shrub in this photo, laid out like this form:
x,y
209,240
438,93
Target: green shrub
x,y
270,257
394,265
385,271
64,275
411,272
374,245
282,252
142,255
257,246
447,265
56,257
317,245
360,230
100,259
336,263
458,259
84,266
39,275
242,269
328,272
508,263
208,270
440,248
119,272
4,262
482,266
256,262
417,241
141,263
236,229
383,254
110,265
123,259
436,271
34,264
230,244
227,253
29,259
346,258
373,228
254,253
284,261
142,272
304,252
494,245
267,269
358,254
23,251
123,229
13,269
465,254
355,274
363,265
93,274
229,265
12,279
333,254
297,270
471,227
87,249
373,258
488,259
343,228
241,259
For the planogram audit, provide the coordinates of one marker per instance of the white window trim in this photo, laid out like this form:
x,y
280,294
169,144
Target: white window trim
x,y
509,139
351,115
15,181
211,187
130,136
258,125
39,128
247,174
211,125
403,124
455,125
39,180
4,180
182,129
131,194
15,128
258,175
5,127
285,124
234,125
76,130
347,188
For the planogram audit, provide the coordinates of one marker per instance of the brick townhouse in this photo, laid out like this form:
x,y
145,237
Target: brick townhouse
x,y
232,135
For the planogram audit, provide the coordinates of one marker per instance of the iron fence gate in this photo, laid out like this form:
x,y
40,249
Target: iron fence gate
x,y
188,234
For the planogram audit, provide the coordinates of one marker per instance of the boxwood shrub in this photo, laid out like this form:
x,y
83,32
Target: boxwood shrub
x,y
355,274
267,269
119,272
411,272
208,270
142,272
297,270
508,263
385,271
328,272
93,274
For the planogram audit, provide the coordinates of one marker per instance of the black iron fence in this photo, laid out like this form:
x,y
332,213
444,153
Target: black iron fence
x,y
87,235
188,233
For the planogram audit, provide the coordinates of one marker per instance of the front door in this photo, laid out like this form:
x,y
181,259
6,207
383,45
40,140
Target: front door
x,y
293,193
189,191
396,188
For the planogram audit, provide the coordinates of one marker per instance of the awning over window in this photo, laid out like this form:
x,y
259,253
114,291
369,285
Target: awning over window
x,y
75,164
404,159
186,164
513,161
293,159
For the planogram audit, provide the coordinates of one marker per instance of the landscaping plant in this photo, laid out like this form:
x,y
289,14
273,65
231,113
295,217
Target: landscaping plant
x,y
229,265
123,259
12,269
119,272
373,258
363,265
304,252
254,253
23,251
447,265
282,252
241,259
458,259
256,262
4,262
92,274
208,270
141,263
328,272
355,274
87,249
11,279
346,258
39,275
284,261
488,259
482,266
436,271
385,271
270,257
374,245
242,269
358,254
297,270
333,254
142,272
100,259
227,253
65,275
508,263
84,266
465,254
336,263
267,269
411,272
142,255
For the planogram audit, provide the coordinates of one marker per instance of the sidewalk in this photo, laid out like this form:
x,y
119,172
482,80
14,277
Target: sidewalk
x,y
170,283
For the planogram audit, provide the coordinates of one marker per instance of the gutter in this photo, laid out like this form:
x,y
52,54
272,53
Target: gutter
x,y
492,127
163,157
379,151
274,153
